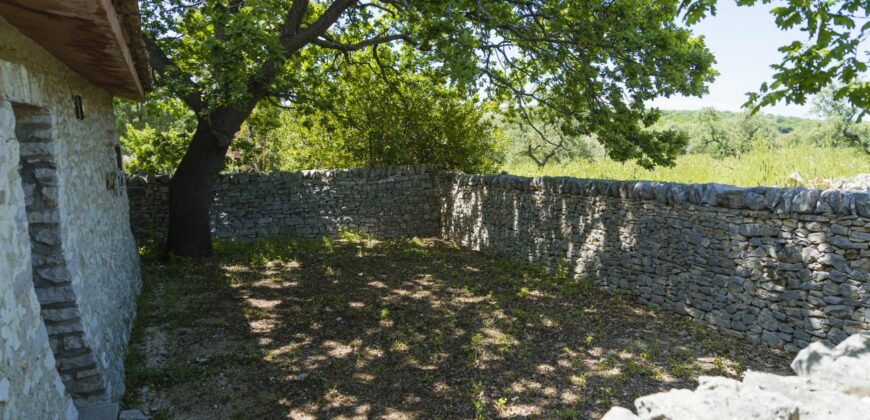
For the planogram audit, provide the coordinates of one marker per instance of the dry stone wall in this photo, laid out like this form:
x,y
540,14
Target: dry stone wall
x,y
386,202
783,267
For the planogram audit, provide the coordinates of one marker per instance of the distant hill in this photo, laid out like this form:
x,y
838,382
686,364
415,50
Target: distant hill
x,y
782,124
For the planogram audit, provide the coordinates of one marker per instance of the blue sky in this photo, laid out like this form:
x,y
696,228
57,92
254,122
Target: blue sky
x,y
744,41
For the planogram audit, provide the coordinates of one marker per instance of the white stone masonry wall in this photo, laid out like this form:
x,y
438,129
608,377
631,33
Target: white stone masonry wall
x,y
100,272
30,386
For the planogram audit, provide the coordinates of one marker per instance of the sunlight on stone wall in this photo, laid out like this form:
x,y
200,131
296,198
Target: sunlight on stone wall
x,y
782,267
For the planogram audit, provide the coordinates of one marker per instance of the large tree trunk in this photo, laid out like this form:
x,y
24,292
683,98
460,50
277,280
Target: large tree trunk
x,y
190,194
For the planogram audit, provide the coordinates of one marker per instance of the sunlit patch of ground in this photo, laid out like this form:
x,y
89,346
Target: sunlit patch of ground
x,y
402,329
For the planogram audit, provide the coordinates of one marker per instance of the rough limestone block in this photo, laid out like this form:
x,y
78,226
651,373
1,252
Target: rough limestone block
x,y
717,398
847,365
4,390
106,411
619,413
832,383
815,399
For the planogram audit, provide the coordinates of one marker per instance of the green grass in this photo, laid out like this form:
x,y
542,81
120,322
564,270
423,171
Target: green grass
x,y
751,169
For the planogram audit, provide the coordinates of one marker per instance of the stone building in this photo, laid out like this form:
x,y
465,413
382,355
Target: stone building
x,y
68,263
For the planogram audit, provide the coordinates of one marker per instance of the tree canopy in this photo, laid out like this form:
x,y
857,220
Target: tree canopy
x,y
591,64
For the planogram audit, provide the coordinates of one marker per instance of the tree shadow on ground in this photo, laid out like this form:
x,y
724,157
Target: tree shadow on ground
x,y
400,329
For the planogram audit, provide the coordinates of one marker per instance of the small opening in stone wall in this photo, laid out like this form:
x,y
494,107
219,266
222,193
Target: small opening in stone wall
x,y
119,158
78,107
52,279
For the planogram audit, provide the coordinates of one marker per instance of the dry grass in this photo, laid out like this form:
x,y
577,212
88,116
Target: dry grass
x,y
759,167
412,328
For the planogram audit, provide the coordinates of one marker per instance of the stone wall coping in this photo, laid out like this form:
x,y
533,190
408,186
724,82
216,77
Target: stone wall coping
x,y
780,201
244,177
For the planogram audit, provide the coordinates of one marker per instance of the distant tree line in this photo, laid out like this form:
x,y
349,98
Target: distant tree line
x,y
731,134
835,123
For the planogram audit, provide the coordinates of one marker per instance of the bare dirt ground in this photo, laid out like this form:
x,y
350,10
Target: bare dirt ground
x,y
352,328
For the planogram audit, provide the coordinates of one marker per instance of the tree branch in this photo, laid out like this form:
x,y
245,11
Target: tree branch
x,y
294,41
327,43
165,67
294,18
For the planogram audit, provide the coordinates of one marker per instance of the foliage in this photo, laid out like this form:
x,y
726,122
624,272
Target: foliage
x,y
842,126
746,132
544,143
154,133
714,136
262,143
416,122
561,89
409,120
712,133
400,119
717,133
151,151
752,131
684,119
160,110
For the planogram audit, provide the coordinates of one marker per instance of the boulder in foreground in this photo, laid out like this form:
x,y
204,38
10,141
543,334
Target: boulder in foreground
x,y
831,383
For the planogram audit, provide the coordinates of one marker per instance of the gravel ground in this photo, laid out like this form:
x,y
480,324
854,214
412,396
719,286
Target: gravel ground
x,y
357,328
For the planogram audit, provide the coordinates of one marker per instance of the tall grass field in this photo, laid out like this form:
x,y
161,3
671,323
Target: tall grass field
x,y
766,167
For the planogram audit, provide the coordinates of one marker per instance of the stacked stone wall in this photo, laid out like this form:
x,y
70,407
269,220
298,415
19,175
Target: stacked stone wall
x,y
385,202
783,267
